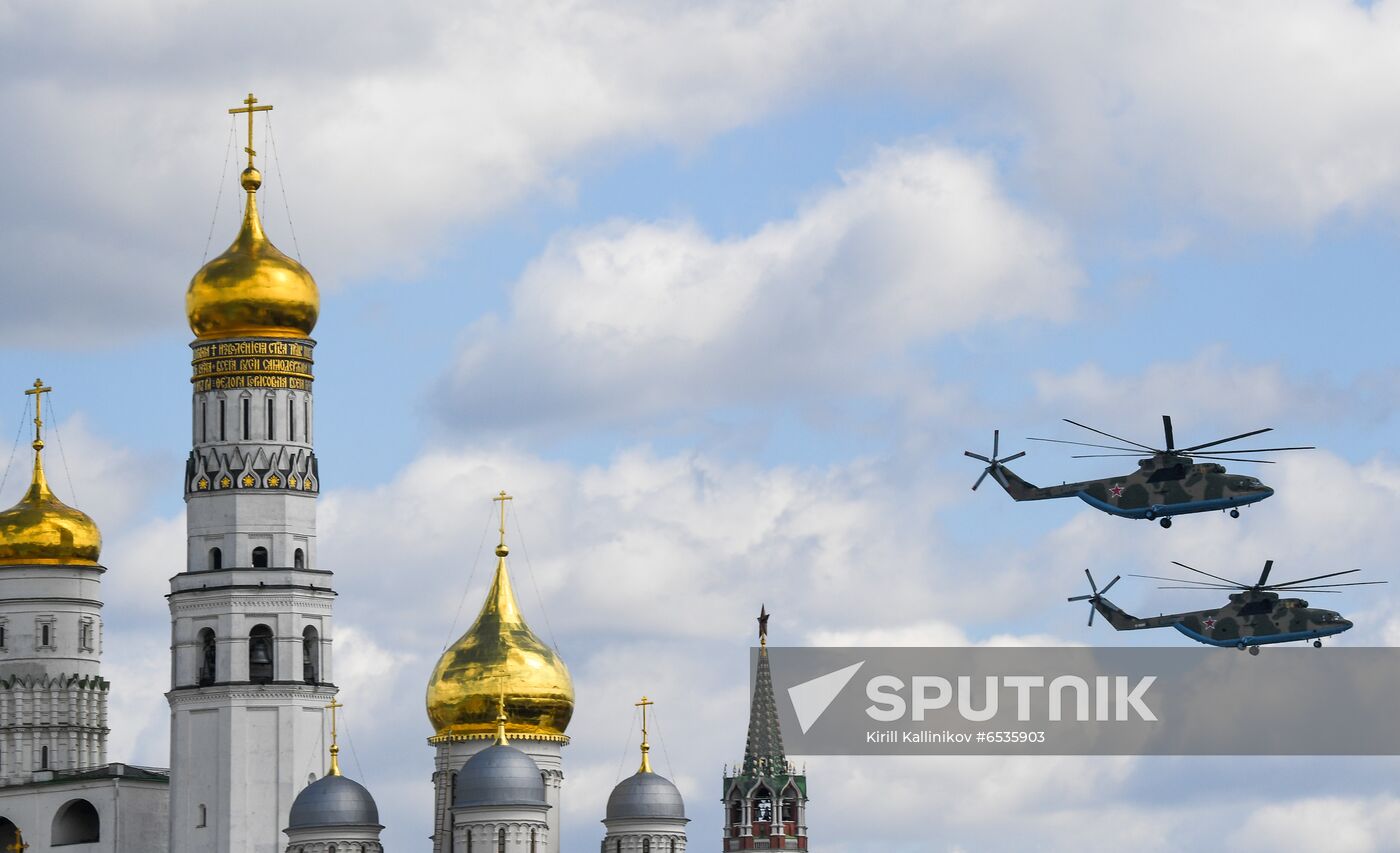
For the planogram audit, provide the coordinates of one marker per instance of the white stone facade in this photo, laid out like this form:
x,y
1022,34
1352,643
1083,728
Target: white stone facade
x,y
114,809
53,701
339,839
251,667
452,753
501,829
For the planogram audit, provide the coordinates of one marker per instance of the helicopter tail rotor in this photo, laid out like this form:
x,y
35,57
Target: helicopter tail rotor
x,y
995,465
1096,594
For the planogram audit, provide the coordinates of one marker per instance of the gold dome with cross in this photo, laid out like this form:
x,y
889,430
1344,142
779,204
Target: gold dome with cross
x,y
499,659
41,529
252,289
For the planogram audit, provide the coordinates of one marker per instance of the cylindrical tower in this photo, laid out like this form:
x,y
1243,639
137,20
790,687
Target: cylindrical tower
x,y
251,615
53,699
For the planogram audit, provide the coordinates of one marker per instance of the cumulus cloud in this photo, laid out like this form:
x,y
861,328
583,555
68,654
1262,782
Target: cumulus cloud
x,y
401,126
631,319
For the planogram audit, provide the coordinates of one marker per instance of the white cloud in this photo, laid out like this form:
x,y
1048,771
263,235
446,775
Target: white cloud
x,y
630,319
402,126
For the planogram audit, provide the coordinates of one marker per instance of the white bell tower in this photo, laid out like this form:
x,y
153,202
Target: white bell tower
x,y
251,615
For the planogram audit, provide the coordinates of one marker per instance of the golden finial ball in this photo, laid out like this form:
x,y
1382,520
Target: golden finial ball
x,y
502,550
251,179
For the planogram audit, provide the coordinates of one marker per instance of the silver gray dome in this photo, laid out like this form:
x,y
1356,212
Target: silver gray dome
x,y
646,795
333,801
500,775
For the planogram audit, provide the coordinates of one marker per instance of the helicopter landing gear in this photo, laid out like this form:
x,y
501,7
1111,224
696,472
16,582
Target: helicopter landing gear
x,y
1317,644
1166,522
1234,513
1254,650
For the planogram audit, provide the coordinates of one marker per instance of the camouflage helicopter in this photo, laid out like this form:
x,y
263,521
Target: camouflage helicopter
x,y
1168,482
1255,616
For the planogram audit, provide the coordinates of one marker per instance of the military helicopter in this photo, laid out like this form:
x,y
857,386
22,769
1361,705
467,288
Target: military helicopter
x,y
1255,616
1166,483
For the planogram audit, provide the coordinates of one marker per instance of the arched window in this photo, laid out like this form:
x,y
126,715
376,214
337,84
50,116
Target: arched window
x,y
311,660
43,758
673,845
247,419
268,433
763,806
789,809
646,845
469,832
291,418
501,841
260,557
45,635
298,559
534,841
216,559
208,656
223,420
8,833
736,812
260,654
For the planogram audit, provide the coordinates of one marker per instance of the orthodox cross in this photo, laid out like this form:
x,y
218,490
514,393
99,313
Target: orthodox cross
x,y
646,747
250,109
502,498
39,390
18,846
335,746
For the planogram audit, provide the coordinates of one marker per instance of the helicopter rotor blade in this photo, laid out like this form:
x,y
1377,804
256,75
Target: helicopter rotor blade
x,y
1105,455
1080,598
1314,589
1224,440
1167,429
1092,611
979,457
1264,449
1264,575
1110,435
1200,584
1241,588
985,472
1232,459
1013,457
1116,579
1085,444
1323,586
1092,585
1314,578
1209,575
996,442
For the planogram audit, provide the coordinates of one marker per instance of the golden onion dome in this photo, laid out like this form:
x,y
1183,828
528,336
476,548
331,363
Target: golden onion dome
x,y
252,289
500,658
42,530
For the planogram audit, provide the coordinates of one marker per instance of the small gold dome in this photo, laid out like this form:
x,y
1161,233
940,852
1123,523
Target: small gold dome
x,y
252,289
499,656
42,530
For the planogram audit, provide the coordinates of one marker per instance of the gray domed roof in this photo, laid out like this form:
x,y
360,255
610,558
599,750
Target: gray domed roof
x,y
500,775
333,801
646,795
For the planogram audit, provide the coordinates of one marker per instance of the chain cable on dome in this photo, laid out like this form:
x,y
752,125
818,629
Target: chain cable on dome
x,y
53,415
530,569
228,152
24,416
476,563
656,721
364,780
626,747
282,186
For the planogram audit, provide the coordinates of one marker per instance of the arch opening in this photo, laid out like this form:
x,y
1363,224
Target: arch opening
x,y
260,654
76,823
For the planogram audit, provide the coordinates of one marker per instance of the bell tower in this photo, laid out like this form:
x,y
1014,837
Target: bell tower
x,y
251,614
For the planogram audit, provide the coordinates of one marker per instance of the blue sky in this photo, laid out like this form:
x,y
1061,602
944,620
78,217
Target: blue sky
x,y
721,291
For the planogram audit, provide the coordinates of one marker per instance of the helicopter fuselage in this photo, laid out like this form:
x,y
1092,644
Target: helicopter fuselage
x,y
1252,618
1163,485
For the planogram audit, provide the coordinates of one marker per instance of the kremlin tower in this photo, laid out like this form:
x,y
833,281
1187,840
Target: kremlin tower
x,y
250,616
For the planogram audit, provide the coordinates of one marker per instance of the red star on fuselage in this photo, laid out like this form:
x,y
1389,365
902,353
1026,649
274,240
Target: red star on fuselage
x,y
1115,491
